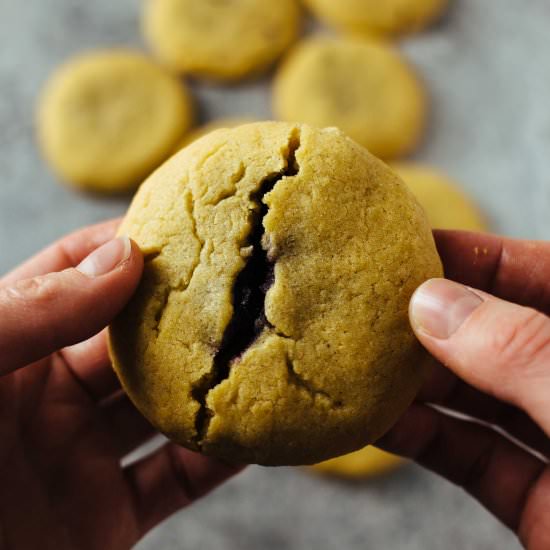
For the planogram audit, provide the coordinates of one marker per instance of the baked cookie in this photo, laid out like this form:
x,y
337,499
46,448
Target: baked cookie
x,y
446,205
364,463
229,122
363,87
218,39
378,16
271,323
107,119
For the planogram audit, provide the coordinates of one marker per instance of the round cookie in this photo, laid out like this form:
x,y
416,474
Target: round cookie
x,y
364,463
271,322
363,87
229,122
107,119
220,40
378,16
446,205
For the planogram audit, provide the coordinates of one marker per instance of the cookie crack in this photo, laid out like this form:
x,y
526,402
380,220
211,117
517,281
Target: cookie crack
x,y
235,179
183,284
151,256
212,153
190,207
296,380
249,291
160,310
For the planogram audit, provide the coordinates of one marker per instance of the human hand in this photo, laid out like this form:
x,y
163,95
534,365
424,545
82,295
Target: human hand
x,y
497,357
65,425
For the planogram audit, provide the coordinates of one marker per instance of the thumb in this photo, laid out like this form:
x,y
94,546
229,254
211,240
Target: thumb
x,y
43,314
496,346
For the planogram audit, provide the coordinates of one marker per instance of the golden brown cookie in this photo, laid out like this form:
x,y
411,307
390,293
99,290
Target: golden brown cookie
x,y
106,119
220,39
447,206
378,16
271,323
364,463
363,87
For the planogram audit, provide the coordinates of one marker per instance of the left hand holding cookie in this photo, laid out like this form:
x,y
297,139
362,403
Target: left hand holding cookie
x,y
65,425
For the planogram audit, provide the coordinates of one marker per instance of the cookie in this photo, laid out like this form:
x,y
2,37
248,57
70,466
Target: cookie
x,y
271,322
107,119
364,463
376,16
363,87
229,122
446,205
220,40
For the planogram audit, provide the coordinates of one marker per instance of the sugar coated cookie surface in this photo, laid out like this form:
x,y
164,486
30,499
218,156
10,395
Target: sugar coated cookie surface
x,y
271,322
378,16
447,206
361,86
220,39
107,119
367,462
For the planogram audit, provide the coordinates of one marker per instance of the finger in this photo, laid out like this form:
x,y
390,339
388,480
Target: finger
x,y
511,269
170,479
447,390
492,469
67,252
45,313
90,363
129,427
534,528
496,346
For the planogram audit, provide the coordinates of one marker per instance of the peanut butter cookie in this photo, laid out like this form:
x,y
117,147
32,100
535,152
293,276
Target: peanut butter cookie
x,y
447,206
364,87
219,39
107,119
271,323
378,16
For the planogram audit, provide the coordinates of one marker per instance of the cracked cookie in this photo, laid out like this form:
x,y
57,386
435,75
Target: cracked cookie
x,y
446,205
220,39
376,16
364,463
271,322
107,119
364,87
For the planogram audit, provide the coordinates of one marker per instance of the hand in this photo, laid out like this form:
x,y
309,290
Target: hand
x,y
64,423
497,357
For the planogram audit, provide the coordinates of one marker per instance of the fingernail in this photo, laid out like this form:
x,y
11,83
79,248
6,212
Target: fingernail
x,y
105,258
439,307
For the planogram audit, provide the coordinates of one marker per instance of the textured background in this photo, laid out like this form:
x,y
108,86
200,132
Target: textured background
x,y
487,69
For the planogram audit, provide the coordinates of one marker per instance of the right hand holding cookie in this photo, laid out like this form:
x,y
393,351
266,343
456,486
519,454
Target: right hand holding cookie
x,y
497,357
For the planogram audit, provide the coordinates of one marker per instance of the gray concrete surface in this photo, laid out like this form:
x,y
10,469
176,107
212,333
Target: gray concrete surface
x,y
487,68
